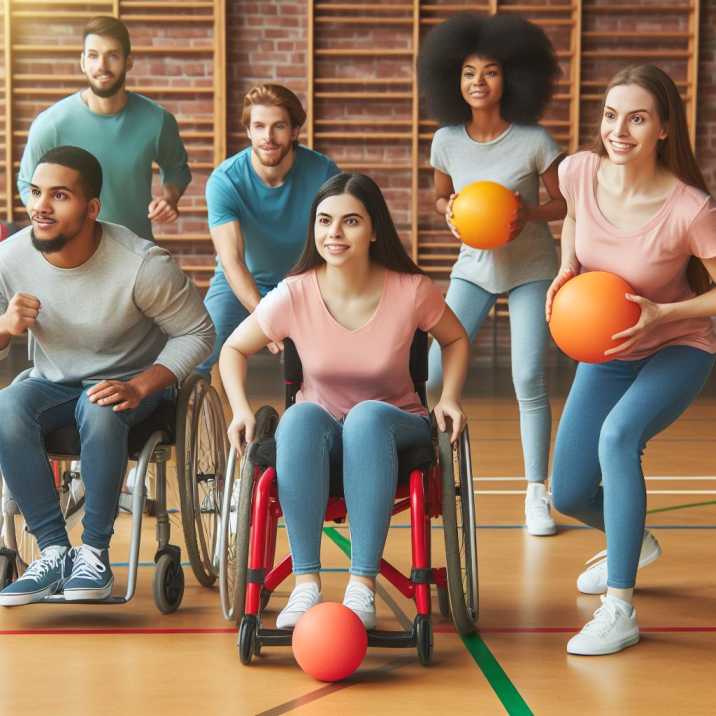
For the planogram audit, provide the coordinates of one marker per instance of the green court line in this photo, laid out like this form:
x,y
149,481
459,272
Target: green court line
x,y
680,507
497,678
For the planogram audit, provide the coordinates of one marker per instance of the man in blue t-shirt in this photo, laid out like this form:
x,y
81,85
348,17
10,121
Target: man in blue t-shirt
x,y
259,202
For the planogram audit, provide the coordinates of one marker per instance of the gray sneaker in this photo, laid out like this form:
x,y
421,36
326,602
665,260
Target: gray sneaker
x,y
41,579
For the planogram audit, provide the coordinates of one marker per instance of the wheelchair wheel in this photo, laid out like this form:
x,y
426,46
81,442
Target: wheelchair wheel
x,y
459,526
201,448
424,639
266,422
168,584
7,571
247,639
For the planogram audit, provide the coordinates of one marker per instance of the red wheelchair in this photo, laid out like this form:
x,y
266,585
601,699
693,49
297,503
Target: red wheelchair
x,y
434,481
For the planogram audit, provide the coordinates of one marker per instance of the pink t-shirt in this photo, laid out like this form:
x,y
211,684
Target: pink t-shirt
x,y
653,258
342,367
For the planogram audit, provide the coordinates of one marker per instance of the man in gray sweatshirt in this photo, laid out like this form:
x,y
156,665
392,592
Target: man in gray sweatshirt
x,y
115,324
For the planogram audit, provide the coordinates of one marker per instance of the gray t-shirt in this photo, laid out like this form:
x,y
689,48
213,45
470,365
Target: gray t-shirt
x,y
126,308
515,159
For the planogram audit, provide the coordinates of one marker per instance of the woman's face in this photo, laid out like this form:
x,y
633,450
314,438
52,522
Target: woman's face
x,y
631,127
343,230
481,82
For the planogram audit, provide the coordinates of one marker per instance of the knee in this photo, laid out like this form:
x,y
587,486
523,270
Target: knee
x,y
365,418
301,419
98,420
528,381
13,417
568,497
616,439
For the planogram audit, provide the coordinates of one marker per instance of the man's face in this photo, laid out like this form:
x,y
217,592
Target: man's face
x,y
271,134
104,65
58,207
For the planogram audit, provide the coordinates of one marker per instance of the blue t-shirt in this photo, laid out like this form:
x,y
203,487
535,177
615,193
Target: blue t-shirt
x,y
273,220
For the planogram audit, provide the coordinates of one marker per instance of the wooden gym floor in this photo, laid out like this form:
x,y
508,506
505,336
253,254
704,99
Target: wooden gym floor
x,y
132,660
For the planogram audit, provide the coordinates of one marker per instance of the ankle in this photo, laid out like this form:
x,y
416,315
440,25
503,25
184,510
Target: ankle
x,y
304,579
536,490
365,581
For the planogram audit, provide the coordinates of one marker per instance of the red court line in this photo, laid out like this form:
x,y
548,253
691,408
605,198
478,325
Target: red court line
x,y
444,629
571,630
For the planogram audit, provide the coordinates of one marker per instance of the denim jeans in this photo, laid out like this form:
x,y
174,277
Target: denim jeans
x,y
226,312
31,408
528,337
309,440
611,412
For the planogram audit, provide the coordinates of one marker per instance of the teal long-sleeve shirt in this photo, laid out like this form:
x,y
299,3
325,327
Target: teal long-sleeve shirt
x,y
125,144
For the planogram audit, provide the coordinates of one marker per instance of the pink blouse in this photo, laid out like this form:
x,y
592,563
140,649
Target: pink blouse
x,y
653,258
343,367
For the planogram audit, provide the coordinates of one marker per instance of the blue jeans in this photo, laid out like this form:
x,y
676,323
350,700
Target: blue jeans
x,y
226,312
528,337
309,440
33,407
611,412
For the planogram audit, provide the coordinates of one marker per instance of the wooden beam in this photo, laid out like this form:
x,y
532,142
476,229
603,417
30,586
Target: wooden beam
x,y
220,81
9,183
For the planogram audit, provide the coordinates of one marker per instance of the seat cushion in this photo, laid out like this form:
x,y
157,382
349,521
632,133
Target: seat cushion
x,y
415,457
66,440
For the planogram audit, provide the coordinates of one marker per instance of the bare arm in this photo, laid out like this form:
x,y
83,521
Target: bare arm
x,y
556,207
451,336
246,340
229,245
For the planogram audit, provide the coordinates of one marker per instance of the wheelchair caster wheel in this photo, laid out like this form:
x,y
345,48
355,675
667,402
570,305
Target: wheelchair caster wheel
x,y
424,638
248,647
168,584
7,571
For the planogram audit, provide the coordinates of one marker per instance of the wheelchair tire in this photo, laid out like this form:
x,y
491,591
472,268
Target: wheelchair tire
x,y
7,571
247,639
459,527
424,639
200,473
266,422
168,584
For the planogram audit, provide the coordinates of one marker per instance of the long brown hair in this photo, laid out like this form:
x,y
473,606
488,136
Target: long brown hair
x,y
674,152
387,249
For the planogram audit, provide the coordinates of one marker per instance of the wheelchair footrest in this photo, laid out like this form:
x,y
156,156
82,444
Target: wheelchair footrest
x,y
274,637
392,639
60,599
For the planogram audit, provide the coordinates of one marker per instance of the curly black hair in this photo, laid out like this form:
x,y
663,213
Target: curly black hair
x,y
526,55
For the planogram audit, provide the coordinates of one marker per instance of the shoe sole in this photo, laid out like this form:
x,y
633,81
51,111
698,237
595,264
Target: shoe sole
x,y
19,600
649,559
631,641
73,595
547,532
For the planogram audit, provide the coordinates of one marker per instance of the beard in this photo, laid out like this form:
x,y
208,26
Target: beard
x,y
50,246
108,91
274,161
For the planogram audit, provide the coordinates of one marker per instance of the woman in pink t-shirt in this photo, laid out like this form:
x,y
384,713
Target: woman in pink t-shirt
x,y
637,207
351,306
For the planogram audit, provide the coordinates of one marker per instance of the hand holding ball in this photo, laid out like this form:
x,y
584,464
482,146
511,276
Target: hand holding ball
x,y
482,213
587,311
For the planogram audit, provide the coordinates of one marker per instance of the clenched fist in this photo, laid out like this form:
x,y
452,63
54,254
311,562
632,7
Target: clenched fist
x,y
21,314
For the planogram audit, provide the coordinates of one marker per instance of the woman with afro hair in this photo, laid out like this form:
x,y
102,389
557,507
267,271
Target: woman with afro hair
x,y
487,80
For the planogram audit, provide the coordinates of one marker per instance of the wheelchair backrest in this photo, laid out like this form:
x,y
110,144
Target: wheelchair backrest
x,y
293,370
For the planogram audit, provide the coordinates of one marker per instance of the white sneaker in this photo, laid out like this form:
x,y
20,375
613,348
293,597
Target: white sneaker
x,y
537,516
360,599
593,580
302,598
612,629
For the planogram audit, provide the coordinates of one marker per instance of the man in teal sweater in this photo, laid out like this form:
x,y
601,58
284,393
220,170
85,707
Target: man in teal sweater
x,y
124,130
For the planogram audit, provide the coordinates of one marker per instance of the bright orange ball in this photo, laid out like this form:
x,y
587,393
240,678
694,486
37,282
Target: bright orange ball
x,y
482,214
587,311
329,642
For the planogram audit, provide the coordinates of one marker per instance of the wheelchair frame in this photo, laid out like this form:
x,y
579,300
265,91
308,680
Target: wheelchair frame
x,y
256,510
193,397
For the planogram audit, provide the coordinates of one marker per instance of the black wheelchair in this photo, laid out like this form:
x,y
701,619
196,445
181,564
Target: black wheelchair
x,y
434,480
193,426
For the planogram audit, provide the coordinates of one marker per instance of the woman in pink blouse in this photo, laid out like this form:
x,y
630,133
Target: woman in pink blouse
x,y
351,306
637,207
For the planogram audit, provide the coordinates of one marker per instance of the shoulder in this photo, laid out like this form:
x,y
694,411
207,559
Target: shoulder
x,y
535,134
15,247
132,248
573,165
139,103
312,158
692,202
58,112
449,133
231,165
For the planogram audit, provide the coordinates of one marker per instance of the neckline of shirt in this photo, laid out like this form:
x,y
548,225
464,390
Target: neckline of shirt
x,y
497,139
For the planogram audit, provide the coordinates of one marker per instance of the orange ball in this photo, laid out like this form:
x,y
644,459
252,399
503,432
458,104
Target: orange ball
x,y
587,311
329,642
482,213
